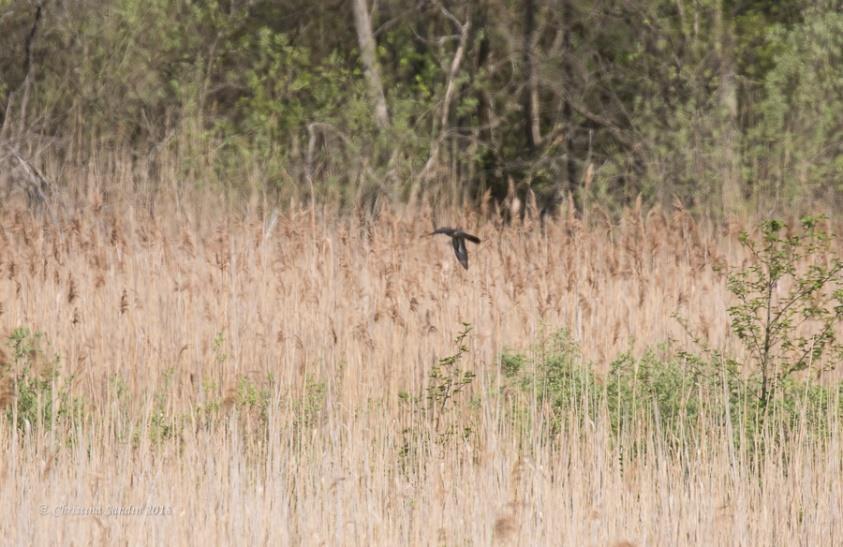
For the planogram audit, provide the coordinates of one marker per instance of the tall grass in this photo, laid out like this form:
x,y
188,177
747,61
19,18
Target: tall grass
x,y
265,377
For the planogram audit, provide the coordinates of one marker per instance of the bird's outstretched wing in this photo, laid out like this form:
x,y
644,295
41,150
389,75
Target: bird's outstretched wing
x,y
444,230
471,238
460,251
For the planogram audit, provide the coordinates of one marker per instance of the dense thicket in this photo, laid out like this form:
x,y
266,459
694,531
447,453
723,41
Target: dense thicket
x,y
720,103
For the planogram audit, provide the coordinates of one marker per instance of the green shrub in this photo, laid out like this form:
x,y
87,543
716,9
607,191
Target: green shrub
x,y
447,379
789,302
441,413
677,393
41,396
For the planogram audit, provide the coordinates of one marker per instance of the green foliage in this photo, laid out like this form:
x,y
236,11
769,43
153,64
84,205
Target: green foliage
x,y
441,413
218,346
794,148
254,397
556,379
789,301
512,364
250,402
270,94
447,379
41,396
310,407
163,424
673,391
668,388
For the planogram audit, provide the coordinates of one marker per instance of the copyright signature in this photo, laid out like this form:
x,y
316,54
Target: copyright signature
x,y
117,510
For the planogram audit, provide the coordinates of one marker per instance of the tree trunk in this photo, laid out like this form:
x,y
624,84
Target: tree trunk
x,y
728,97
567,111
530,98
366,41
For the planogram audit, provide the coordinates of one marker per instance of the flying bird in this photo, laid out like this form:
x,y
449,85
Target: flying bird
x,y
458,238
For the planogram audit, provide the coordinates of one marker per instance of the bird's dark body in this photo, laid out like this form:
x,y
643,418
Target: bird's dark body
x,y
458,238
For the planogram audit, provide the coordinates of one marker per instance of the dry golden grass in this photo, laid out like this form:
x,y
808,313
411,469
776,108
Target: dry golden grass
x,y
165,316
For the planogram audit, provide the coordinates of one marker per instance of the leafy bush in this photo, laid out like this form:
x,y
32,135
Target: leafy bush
x,y
789,302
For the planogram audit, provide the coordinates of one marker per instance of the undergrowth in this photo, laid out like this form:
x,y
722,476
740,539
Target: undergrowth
x,y
678,395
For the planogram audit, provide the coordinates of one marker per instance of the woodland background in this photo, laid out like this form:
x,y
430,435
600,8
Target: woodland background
x,y
723,105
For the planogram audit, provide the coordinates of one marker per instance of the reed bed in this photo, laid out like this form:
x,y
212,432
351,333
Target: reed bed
x,y
247,371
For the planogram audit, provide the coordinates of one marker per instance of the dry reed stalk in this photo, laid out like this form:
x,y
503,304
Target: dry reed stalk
x,y
171,325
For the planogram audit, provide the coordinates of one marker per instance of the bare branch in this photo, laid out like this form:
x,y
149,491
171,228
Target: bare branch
x,y
453,71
